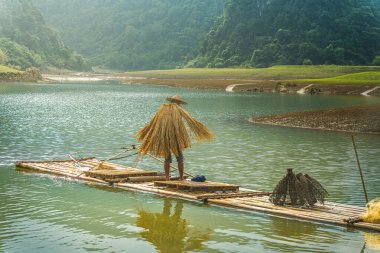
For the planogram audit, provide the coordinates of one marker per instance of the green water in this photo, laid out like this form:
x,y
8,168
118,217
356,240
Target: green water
x,y
41,213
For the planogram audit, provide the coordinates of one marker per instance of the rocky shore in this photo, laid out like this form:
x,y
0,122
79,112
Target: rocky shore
x,y
357,119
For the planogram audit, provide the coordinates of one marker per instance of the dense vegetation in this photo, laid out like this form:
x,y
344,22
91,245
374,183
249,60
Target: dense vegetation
x,y
26,41
162,34
133,34
263,33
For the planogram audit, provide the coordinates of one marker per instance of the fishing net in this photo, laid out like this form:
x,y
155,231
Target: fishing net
x,y
318,191
298,190
372,214
170,131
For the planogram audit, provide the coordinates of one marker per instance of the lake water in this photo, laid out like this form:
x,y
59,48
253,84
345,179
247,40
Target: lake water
x,y
41,213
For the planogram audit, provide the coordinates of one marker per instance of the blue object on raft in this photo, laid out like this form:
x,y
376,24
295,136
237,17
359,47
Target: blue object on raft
x,y
199,178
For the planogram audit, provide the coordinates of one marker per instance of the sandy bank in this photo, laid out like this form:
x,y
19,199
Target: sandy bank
x,y
357,119
86,77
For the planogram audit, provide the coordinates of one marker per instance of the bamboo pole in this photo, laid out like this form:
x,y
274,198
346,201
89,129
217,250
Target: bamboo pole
x,y
360,169
124,150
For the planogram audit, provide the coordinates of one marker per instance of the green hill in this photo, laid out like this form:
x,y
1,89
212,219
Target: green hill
x,y
133,34
6,69
263,33
26,41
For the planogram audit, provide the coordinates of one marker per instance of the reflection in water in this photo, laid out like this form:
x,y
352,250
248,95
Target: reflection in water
x,y
292,228
295,235
168,231
371,241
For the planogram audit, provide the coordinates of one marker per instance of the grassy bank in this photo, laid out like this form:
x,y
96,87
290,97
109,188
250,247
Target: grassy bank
x,y
5,69
356,78
8,74
334,79
273,73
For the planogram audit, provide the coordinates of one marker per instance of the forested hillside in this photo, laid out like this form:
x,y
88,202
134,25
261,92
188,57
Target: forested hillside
x,y
164,34
262,33
26,41
133,34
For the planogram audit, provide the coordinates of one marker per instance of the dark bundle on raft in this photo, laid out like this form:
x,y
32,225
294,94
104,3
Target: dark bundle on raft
x,y
298,190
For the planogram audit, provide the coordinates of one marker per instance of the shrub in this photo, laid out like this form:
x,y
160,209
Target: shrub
x,y
376,61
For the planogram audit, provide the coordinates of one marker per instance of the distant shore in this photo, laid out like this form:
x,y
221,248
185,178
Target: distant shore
x,y
357,119
324,79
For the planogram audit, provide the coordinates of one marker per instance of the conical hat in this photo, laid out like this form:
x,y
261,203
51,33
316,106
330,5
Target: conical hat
x,y
176,99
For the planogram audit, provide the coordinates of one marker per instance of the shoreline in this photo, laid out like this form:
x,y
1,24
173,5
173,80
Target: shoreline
x,y
226,84
364,119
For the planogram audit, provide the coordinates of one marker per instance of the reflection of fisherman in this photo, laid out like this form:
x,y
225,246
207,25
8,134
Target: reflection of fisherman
x,y
166,133
169,232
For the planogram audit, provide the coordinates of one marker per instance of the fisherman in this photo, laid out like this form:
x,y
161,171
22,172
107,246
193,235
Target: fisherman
x,y
167,134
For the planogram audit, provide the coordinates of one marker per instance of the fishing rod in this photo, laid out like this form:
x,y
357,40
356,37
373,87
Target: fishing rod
x,y
122,157
114,157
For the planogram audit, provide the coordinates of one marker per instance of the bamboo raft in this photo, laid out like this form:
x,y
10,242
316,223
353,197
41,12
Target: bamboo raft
x,y
214,193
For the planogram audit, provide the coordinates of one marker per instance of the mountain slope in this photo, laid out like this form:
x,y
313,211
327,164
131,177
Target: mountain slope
x,y
133,34
28,42
268,32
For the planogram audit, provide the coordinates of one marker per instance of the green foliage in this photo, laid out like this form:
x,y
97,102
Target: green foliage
x,y
376,61
133,34
27,40
3,57
265,33
307,62
19,55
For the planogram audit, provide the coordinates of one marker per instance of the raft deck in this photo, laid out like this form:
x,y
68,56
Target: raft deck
x,y
211,192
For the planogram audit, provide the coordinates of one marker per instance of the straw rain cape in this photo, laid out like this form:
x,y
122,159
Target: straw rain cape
x,y
167,132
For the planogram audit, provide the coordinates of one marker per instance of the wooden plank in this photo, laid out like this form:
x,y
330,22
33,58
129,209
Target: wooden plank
x,y
79,160
321,212
325,209
285,213
231,195
345,208
109,174
197,186
136,179
146,179
60,173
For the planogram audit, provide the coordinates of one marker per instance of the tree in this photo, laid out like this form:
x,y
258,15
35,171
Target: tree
x,y
289,32
376,61
3,57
